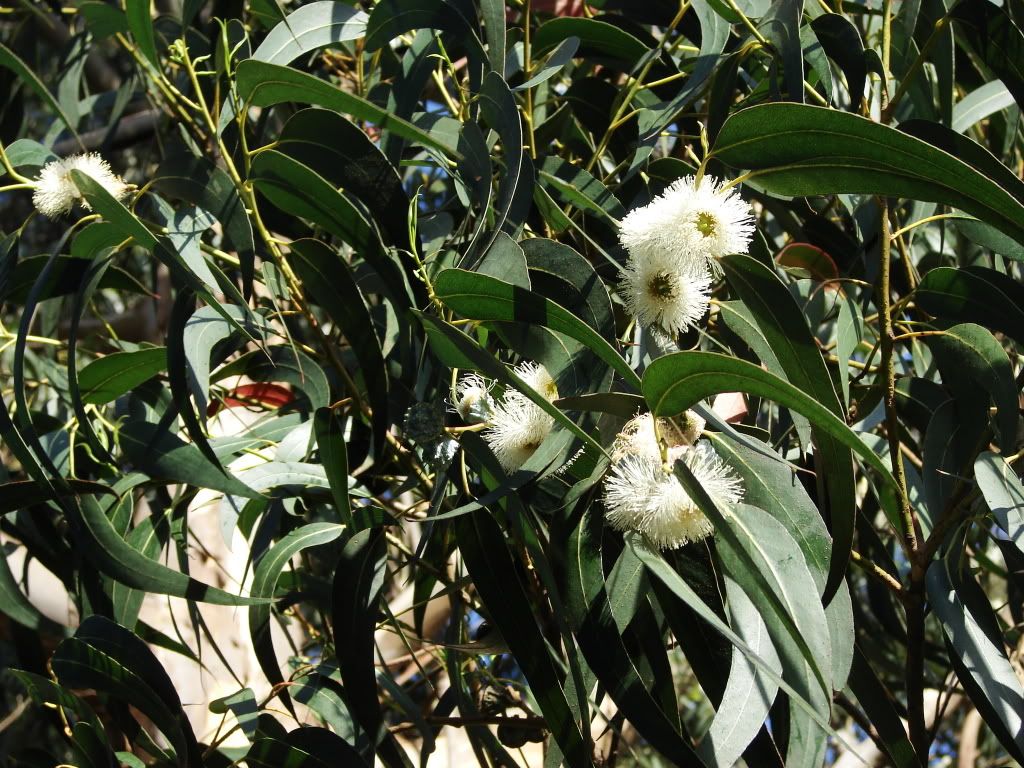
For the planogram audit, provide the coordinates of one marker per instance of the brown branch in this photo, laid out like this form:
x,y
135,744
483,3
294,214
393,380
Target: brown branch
x,y
130,129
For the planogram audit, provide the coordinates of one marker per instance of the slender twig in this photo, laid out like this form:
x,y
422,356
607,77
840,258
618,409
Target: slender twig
x,y
618,118
908,77
459,722
876,571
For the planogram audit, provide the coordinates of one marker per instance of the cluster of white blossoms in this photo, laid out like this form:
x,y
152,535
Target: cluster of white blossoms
x,y
56,193
642,494
515,425
673,245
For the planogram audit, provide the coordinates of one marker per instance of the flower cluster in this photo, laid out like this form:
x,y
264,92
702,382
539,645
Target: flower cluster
x,y
56,193
515,425
673,244
642,494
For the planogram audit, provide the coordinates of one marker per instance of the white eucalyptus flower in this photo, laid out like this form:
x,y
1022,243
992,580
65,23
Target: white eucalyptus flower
x,y
689,221
473,401
56,193
641,495
637,437
538,379
663,290
717,221
517,426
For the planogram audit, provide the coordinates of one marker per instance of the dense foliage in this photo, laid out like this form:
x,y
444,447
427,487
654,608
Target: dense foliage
x,y
529,383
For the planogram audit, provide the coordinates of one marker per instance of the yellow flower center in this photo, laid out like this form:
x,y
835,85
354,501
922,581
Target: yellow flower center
x,y
706,224
661,286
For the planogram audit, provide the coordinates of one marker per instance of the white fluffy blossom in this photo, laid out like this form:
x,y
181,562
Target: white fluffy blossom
x,y
56,193
663,290
473,401
638,438
517,426
642,495
538,379
689,222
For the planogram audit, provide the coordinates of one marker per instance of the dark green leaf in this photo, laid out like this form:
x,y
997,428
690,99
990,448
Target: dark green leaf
x,y
994,36
309,28
785,329
675,382
974,295
114,557
140,22
342,154
358,582
164,456
500,585
969,356
596,38
842,43
879,706
110,376
263,84
483,298
264,585
330,442
330,282
794,149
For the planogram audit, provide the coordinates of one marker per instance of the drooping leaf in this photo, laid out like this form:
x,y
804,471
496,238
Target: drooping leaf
x,y
110,376
748,696
785,329
673,383
1003,493
263,84
495,576
794,149
114,557
264,584
330,282
308,28
356,594
481,297
977,652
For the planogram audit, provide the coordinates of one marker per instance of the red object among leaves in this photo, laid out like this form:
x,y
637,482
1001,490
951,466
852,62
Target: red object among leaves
x,y
819,265
270,396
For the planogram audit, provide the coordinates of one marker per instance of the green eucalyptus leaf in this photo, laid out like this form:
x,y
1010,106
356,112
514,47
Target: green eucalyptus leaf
x,y
596,38
309,28
263,84
977,652
264,585
673,383
481,297
1003,493
785,330
969,356
140,22
356,595
110,376
748,696
500,583
793,149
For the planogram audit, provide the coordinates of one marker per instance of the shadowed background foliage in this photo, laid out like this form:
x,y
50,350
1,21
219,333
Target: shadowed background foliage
x,y
244,522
